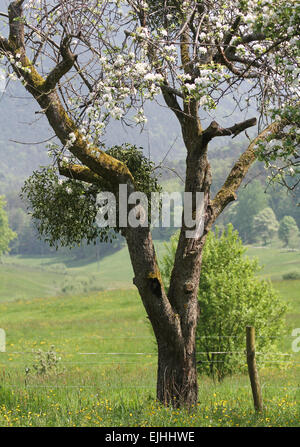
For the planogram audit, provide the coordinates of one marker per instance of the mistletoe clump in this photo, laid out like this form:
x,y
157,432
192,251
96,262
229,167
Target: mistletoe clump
x,y
140,167
64,211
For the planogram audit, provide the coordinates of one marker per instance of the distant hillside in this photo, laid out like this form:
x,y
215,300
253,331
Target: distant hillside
x,y
19,122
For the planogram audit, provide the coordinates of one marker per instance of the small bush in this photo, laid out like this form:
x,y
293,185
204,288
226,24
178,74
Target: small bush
x,y
231,297
75,286
59,267
291,275
46,363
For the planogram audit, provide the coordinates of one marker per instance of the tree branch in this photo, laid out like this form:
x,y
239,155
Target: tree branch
x,y
253,37
232,31
82,173
113,171
172,103
16,24
237,174
63,67
228,63
4,46
214,130
184,52
244,39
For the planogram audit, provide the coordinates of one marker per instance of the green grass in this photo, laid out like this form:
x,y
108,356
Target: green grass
x,y
105,389
48,276
113,390
110,390
228,405
275,261
290,292
33,277
25,282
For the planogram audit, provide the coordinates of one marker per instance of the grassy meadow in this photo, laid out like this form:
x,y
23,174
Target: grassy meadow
x,y
101,366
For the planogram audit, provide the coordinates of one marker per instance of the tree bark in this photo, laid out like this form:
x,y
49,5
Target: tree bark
x,y
174,316
175,336
177,376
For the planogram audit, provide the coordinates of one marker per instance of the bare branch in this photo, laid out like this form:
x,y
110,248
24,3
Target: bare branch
x,y
63,67
172,102
215,130
16,24
188,20
242,74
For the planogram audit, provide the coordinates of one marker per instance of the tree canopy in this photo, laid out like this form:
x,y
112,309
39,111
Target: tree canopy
x,y
114,56
287,229
265,225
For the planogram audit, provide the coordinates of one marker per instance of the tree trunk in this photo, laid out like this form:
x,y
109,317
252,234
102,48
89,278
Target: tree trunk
x,y
176,376
175,335
174,316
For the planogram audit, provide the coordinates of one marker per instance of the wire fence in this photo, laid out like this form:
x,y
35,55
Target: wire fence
x,y
154,354
149,386
130,358
101,353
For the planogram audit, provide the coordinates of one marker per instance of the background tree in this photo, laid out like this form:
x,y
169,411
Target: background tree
x,y
251,200
265,225
6,234
231,297
88,62
287,229
285,204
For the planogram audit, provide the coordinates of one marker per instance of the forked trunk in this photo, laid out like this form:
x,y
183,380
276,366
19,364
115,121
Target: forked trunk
x,y
174,316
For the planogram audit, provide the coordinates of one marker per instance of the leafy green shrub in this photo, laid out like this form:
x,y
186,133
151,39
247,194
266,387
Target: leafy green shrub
x,y
231,297
58,267
76,286
291,275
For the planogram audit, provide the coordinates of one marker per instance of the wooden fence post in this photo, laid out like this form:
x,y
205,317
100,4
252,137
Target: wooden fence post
x,y
253,374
